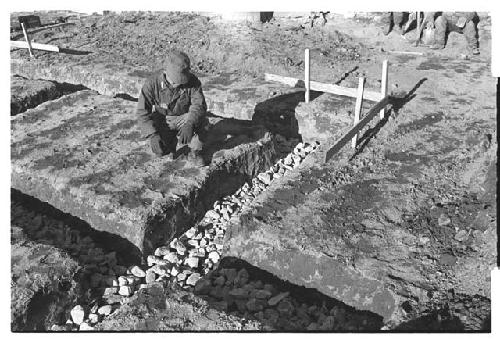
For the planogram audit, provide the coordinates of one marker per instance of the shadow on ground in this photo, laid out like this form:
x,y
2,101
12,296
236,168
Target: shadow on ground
x,y
397,104
277,114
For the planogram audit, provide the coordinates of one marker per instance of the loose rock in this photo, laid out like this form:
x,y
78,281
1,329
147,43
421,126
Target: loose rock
x,y
137,272
93,318
150,276
263,294
122,281
276,299
110,290
161,251
171,257
238,293
192,262
125,290
285,307
214,257
190,232
265,178
77,314
193,279
105,310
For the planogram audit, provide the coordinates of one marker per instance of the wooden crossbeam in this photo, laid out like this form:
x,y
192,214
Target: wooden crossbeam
x,y
34,45
331,151
321,87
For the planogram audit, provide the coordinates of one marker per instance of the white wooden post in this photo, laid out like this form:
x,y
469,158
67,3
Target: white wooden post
x,y
357,109
418,22
27,39
383,89
307,81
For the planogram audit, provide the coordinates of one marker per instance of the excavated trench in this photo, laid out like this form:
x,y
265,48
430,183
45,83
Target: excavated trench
x,y
97,252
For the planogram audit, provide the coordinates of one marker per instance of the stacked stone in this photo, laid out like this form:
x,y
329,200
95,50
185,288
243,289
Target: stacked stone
x,y
235,291
185,260
199,249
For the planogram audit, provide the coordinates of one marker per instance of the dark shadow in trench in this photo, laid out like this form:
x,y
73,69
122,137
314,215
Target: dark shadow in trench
x,y
443,319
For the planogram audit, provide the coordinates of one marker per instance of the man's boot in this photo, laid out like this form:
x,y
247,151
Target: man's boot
x,y
440,25
386,23
470,32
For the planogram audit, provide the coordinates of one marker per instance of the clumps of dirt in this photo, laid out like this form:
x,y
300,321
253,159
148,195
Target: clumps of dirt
x,y
52,265
42,279
164,309
142,39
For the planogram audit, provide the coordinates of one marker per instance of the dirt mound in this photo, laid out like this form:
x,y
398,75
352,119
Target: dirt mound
x,y
252,48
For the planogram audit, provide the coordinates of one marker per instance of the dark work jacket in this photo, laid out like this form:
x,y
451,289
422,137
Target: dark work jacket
x,y
157,95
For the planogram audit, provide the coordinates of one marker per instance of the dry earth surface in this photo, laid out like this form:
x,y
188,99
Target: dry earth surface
x,y
425,177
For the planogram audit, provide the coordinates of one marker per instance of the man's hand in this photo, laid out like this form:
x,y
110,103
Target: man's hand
x,y
181,120
186,133
156,145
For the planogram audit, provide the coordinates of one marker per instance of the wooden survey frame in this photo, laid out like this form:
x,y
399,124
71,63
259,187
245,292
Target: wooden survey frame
x,y
381,98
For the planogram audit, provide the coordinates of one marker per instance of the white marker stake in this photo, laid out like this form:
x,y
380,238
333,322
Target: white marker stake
x,y
27,39
383,90
418,22
306,78
357,109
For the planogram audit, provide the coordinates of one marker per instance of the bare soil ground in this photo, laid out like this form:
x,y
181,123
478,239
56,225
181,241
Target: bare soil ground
x,y
438,147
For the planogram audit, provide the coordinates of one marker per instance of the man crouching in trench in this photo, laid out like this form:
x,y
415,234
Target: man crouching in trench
x,y
172,106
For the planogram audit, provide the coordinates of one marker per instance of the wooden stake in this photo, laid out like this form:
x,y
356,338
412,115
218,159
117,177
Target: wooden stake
x,y
27,39
357,109
383,89
418,22
307,80
332,150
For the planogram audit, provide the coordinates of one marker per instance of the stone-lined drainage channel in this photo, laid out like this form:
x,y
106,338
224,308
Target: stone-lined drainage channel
x,y
193,262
